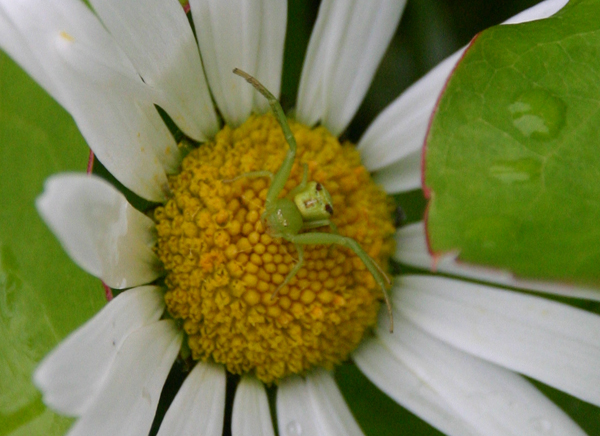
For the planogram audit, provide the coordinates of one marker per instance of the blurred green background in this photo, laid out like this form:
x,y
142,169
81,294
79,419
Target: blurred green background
x,y
34,272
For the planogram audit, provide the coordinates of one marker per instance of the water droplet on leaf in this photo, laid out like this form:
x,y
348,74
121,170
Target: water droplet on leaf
x,y
483,233
517,171
538,114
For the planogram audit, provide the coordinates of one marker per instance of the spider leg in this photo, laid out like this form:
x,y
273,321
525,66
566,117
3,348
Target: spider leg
x,y
283,174
294,270
302,185
320,223
317,238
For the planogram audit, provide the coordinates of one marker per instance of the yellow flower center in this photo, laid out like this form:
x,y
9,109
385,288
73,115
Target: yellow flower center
x,y
223,265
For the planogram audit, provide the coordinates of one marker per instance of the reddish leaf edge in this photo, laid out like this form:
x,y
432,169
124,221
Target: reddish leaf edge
x,y
427,191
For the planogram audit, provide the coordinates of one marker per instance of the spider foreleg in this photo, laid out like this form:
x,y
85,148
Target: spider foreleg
x,y
283,174
302,185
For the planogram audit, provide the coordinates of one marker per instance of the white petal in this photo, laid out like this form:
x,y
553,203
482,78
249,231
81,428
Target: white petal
x,y
13,43
310,104
100,88
295,415
401,176
99,230
493,400
160,43
71,376
251,415
399,131
401,384
552,342
199,407
229,36
127,403
270,50
314,406
411,249
346,46
331,409
543,9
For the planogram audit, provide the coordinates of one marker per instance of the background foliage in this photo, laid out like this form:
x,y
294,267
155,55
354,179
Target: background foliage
x,y
43,295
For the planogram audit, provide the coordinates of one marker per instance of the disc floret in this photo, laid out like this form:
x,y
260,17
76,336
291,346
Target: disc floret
x,y
285,219
224,263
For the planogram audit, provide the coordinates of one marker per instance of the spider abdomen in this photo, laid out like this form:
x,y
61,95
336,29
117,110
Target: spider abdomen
x,y
284,219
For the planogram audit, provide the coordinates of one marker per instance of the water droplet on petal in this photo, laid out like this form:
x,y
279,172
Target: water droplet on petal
x,y
517,171
538,114
293,428
542,425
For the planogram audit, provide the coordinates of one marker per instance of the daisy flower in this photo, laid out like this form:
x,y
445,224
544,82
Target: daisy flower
x,y
198,268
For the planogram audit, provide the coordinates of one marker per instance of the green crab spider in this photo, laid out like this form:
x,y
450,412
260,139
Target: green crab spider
x,y
310,208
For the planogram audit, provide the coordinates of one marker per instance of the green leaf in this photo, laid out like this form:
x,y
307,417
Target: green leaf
x,y
512,160
43,294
